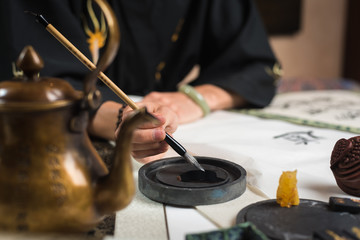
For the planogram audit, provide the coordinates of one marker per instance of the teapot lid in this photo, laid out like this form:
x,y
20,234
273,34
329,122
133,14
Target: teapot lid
x,y
31,92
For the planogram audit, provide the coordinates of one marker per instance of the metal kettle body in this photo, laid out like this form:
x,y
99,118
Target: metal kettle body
x,y
51,177
53,180
47,174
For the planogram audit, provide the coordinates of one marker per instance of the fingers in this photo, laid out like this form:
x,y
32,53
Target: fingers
x,y
148,144
168,119
184,107
148,139
149,151
171,100
148,135
158,98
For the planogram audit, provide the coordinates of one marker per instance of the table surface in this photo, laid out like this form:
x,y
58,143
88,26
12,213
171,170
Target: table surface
x,y
263,146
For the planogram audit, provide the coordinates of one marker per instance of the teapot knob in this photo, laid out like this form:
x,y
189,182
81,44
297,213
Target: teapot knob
x,y
30,63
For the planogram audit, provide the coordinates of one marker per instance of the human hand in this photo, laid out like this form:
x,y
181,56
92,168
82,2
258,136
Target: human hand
x,y
148,139
185,108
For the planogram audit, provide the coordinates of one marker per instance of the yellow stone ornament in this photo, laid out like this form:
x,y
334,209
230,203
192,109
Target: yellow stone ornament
x,y
287,193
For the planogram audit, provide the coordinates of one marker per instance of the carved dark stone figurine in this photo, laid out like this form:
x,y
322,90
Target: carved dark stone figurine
x,y
345,164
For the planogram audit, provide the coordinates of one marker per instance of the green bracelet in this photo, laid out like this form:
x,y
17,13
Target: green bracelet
x,y
196,97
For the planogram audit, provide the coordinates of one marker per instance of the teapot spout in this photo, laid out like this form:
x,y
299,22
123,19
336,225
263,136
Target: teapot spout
x,y
116,190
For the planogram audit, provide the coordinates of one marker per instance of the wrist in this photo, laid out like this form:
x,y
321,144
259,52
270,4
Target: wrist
x,y
103,122
196,97
218,98
120,116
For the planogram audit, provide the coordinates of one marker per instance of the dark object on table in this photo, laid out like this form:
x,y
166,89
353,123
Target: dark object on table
x,y
297,222
344,204
352,233
173,181
243,231
345,165
332,234
106,227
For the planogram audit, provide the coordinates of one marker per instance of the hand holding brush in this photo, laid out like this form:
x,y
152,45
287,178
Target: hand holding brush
x,y
91,66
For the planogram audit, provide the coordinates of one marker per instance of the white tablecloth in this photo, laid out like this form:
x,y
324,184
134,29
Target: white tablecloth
x,y
264,147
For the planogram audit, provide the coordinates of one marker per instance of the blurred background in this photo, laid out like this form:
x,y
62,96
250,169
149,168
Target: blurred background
x,y
316,39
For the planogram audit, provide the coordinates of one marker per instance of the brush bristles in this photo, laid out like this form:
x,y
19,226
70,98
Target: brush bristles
x,y
193,161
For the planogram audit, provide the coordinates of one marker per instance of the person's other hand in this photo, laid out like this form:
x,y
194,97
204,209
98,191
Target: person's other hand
x,y
148,140
185,108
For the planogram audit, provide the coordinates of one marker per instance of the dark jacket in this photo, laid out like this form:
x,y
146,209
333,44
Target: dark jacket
x,y
225,38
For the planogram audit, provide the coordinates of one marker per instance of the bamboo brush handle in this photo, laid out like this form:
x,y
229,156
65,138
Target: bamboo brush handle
x,y
171,141
90,65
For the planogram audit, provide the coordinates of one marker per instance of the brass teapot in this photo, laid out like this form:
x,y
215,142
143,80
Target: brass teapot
x,y
51,177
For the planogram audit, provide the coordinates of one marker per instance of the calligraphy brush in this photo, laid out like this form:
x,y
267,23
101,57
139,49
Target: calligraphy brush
x,y
90,65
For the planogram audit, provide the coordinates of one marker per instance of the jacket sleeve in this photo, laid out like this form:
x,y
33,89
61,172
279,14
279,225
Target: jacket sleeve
x,y
236,54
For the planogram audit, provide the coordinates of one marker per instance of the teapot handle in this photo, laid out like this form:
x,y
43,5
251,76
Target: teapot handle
x,y
91,95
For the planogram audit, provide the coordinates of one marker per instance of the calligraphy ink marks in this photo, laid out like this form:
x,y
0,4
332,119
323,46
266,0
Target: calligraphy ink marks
x,y
312,106
349,109
22,190
57,188
52,148
349,115
300,137
21,220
